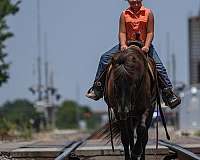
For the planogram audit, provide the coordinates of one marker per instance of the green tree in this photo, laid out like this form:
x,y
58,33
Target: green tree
x,y
92,121
19,112
5,128
66,115
6,8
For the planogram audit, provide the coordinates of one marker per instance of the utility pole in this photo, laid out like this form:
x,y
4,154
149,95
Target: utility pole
x,y
46,69
49,89
77,107
176,113
174,68
199,8
39,61
168,52
47,92
51,108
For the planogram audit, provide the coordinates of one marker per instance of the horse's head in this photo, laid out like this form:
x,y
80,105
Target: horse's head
x,y
127,72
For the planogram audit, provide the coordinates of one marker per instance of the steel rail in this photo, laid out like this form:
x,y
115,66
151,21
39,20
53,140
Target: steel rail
x,y
68,151
179,152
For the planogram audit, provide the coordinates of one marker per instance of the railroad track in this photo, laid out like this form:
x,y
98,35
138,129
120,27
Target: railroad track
x,y
95,149
41,150
69,151
178,152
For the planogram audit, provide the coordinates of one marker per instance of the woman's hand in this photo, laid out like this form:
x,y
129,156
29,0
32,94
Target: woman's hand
x,y
145,49
123,47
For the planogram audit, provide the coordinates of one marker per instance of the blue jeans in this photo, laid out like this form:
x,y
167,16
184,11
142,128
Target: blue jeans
x,y
105,58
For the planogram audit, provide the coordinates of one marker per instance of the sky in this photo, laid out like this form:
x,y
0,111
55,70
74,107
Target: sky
x,y
77,33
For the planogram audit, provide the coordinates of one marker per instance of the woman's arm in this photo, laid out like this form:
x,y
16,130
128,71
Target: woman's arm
x,y
150,32
122,32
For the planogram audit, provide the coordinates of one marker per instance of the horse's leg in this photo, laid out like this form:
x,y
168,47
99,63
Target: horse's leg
x,y
138,148
141,132
125,138
131,129
145,138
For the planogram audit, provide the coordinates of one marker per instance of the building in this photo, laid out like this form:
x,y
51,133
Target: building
x,y
189,111
194,50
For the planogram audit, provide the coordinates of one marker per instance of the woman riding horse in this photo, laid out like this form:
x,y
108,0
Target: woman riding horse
x,y
135,20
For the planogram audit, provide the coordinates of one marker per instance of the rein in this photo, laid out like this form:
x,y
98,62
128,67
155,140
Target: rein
x,y
159,108
109,108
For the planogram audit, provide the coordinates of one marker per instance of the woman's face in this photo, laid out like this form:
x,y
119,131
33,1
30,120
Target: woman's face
x,y
135,4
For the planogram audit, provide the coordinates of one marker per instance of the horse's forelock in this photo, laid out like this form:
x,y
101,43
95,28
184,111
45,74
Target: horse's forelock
x,y
118,58
128,64
121,56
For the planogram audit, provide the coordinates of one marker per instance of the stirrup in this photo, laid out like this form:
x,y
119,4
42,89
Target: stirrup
x,y
170,98
92,94
175,102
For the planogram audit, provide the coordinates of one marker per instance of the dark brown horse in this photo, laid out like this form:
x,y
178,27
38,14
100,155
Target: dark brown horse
x,y
129,93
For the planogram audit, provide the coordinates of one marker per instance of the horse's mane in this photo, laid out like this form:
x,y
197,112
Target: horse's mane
x,y
128,71
129,65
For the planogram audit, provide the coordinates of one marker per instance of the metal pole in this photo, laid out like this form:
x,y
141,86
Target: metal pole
x,y
173,65
39,53
46,68
77,107
174,68
168,53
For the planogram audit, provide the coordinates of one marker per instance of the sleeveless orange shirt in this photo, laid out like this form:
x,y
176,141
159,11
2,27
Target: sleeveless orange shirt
x,y
136,23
